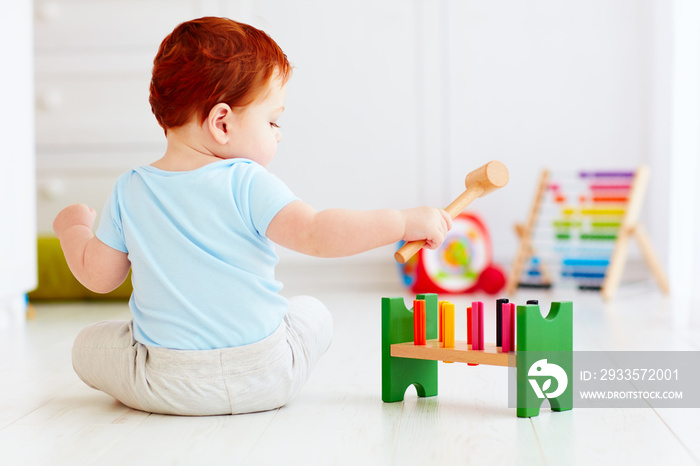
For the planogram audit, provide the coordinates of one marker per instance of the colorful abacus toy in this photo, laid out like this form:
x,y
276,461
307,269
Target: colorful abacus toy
x,y
578,231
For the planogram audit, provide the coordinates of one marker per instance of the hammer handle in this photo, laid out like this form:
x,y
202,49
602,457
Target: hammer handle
x,y
467,197
454,209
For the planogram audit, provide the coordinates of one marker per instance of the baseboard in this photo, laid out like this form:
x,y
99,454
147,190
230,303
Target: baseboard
x,y
13,312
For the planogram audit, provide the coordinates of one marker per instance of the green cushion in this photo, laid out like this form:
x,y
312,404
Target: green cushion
x,y
56,282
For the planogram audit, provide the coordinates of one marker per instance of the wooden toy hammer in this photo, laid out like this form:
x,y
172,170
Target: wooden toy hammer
x,y
480,182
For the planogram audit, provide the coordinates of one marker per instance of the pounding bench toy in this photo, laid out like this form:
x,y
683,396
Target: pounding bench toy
x,y
478,183
411,347
543,349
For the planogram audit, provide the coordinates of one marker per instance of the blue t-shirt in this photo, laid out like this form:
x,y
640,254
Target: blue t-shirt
x,y
202,267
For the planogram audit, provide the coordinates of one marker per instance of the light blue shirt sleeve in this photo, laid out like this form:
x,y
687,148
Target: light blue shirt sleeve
x,y
110,230
266,195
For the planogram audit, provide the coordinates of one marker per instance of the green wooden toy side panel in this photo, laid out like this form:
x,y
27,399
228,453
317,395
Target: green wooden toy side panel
x,y
538,338
399,373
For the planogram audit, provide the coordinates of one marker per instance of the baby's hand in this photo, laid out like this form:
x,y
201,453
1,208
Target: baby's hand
x,y
427,223
76,214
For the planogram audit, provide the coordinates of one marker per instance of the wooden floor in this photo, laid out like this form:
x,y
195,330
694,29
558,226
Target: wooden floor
x,y
48,417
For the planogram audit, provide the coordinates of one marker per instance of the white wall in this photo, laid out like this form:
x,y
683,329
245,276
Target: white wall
x,y
563,85
17,187
684,160
391,103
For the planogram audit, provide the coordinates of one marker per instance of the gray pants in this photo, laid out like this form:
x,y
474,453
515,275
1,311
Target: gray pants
x,y
256,377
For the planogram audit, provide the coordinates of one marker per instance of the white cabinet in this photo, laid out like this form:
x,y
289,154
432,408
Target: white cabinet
x,y
17,200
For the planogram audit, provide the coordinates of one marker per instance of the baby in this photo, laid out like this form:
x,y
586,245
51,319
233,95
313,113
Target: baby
x,y
209,332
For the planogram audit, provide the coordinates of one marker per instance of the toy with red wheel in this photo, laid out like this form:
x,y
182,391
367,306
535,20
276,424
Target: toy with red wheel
x,y
462,264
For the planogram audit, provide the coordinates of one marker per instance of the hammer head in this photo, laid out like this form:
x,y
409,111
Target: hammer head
x,y
490,177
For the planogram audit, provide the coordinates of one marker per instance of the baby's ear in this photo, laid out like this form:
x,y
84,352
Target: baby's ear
x,y
219,122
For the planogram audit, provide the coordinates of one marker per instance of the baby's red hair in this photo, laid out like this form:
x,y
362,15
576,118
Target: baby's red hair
x,y
211,60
